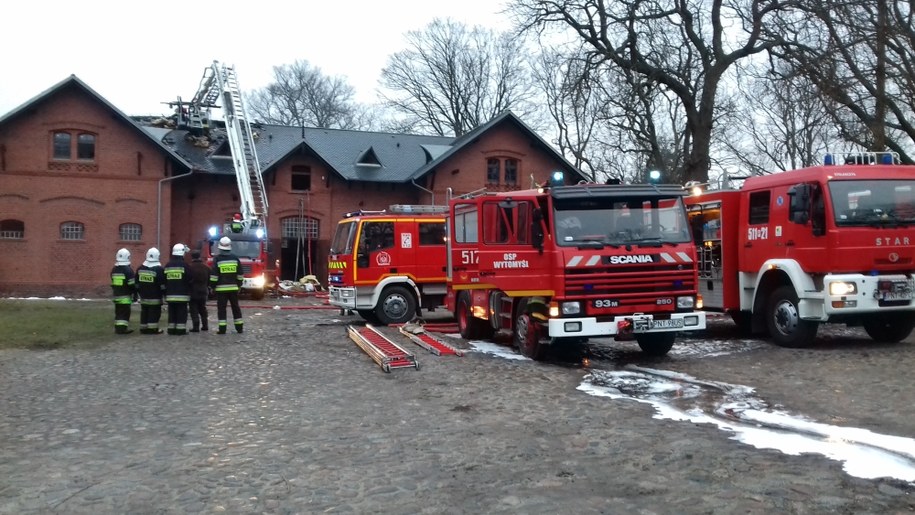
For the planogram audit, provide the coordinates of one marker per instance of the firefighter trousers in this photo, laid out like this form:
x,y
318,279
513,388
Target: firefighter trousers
x,y
150,313
122,317
177,317
228,297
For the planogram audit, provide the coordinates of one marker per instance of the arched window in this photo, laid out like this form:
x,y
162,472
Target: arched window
x,y
130,232
12,229
296,227
511,171
493,171
85,147
72,231
62,145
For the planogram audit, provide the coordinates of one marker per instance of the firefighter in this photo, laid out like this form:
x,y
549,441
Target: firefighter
x,y
123,290
177,290
200,285
226,278
151,288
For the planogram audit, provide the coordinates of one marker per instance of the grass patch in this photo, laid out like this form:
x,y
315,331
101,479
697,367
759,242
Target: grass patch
x,y
55,324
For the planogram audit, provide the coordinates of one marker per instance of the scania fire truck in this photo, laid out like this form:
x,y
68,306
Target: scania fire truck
x,y
386,264
248,228
566,263
786,252
546,265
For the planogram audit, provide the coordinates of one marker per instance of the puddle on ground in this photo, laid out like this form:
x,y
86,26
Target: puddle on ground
x,y
735,409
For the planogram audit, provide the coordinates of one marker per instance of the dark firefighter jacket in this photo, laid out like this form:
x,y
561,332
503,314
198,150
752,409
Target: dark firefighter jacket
x,y
227,274
177,280
151,284
123,285
200,279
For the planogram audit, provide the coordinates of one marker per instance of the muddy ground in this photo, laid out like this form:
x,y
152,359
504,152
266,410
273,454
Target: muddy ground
x,y
292,417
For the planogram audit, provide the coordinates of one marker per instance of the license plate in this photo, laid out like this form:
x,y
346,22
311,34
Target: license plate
x,y
674,323
642,325
891,296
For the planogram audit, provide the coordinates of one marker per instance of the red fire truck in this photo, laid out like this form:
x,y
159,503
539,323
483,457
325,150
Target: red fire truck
x,y
832,243
565,263
386,264
247,229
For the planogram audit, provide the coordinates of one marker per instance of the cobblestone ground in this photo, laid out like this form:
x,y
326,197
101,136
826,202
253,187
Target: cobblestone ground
x,y
292,417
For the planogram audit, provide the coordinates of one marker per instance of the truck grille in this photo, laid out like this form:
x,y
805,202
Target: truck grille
x,y
631,284
246,269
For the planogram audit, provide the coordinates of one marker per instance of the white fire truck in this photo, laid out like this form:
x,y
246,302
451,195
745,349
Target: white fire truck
x,y
786,252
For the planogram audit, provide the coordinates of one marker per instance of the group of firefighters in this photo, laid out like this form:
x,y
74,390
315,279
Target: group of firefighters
x,y
182,286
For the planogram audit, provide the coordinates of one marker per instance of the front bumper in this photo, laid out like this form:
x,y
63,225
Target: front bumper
x,y
629,324
342,297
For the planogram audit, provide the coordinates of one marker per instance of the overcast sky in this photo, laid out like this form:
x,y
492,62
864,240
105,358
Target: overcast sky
x,y
138,55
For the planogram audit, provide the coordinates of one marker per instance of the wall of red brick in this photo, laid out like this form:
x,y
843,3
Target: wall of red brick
x,y
119,187
130,171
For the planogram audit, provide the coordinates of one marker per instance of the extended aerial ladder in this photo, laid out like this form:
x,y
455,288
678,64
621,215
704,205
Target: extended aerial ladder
x,y
220,83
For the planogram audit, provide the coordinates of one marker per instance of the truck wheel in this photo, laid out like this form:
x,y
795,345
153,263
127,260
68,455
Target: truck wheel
x,y
471,328
526,334
656,344
396,306
257,294
368,315
889,328
784,321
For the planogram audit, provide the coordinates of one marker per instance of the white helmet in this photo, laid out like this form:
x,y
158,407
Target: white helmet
x,y
122,257
225,243
152,257
179,249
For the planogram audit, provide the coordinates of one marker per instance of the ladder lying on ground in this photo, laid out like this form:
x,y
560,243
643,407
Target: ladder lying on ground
x,y
383,351
420,337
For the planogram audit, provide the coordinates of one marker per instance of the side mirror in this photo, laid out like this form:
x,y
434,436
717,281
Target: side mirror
x,y
537,229
799,204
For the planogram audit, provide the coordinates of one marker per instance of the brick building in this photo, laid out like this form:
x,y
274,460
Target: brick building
x,y
80,179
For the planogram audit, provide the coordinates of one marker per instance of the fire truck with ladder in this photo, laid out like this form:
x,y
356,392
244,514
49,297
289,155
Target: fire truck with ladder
x,y
248,227
785,252
548,265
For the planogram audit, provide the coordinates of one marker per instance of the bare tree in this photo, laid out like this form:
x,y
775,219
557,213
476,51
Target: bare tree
x,y
453,78
782,123
684,47
860,55
303,96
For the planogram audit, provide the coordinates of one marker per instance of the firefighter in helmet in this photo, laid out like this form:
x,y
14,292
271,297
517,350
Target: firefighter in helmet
x,y
177,290
151,288
226,278
123,289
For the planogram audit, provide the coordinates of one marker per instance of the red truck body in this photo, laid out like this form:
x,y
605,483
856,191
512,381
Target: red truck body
x,y
562,264
249,245
387,264
833,243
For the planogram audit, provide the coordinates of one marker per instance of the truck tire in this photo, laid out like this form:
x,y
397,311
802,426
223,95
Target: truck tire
x,y
395,306
656,344
257,294
784,322
471,328
526,333
368,315
889,328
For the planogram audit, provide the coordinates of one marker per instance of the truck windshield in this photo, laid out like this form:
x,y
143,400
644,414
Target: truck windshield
x,y
620,221
343,238
873,202
240,248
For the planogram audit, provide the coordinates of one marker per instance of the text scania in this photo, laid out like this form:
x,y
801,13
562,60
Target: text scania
x,y
621,260
511,261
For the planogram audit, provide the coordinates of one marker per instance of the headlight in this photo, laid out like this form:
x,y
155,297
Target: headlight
x,y
258,281
685,302
571,308
842,288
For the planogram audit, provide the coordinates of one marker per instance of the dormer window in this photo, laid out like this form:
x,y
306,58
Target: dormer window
x,y
369,158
